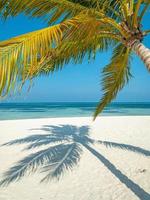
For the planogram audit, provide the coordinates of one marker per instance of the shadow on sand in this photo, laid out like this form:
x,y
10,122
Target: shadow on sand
x,y
63,150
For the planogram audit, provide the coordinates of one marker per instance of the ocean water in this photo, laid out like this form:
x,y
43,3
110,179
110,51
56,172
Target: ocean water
x,y
9,111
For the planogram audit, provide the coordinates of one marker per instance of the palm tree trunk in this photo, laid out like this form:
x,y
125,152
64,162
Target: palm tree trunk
x,y
135,188
142,52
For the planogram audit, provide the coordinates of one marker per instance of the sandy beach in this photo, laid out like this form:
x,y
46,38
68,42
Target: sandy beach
x,y
114,167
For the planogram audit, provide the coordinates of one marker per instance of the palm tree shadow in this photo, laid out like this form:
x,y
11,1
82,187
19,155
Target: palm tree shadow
x,y
64,147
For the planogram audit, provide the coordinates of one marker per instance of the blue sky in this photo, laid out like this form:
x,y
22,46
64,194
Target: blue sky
x,y
76,82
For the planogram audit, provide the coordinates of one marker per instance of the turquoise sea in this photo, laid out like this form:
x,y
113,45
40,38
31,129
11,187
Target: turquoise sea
x,y
10,111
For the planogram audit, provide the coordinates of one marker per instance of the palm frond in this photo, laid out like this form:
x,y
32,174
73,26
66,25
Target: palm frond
x,y
76,45
100,6
115,76
71,51
50,10
53,10
66,159
144,10
18,53
136,12
49,49
3,6
26,51
117,9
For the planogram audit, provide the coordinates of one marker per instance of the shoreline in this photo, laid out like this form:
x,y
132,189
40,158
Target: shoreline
x,y
82,117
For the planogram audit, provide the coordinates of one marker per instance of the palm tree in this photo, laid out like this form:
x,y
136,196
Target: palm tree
x,y
64,146
80,27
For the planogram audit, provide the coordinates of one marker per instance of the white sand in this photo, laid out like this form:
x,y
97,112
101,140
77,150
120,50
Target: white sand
x,y
96,177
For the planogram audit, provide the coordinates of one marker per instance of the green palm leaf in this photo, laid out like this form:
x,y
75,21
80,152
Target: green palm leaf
x,y
74,51
115,76
86,38
51,10
27,51
24,56
18,53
